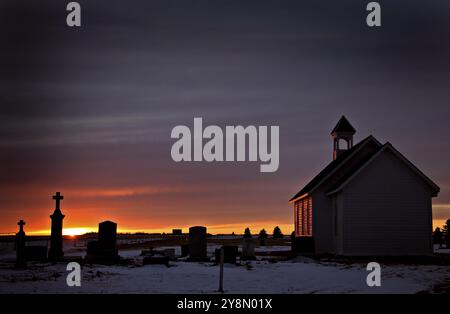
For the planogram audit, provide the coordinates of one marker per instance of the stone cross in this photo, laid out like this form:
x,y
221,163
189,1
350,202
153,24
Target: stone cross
x,y
20,246
58,197
21,223
56,238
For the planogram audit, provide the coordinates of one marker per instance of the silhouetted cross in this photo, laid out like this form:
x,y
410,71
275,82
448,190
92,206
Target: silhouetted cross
x,y
58,197
21,223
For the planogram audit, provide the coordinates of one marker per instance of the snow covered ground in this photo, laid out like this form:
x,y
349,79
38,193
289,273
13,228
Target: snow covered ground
x,y
300,275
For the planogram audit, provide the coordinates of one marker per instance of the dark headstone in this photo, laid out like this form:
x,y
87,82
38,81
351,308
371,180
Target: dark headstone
x,y
197,243
56,239
20,245
184,250
104,251
169,253
302,245
147,252
230,254
177,232
217,253
107,237
248,249
36,253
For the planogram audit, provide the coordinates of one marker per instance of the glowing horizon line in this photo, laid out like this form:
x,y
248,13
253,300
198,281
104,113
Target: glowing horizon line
x,y
287,228
229,228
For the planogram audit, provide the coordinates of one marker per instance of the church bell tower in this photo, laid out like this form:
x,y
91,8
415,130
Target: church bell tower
x,y
343,131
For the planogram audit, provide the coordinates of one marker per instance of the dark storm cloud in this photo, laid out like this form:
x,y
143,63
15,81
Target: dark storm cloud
x,y
94,106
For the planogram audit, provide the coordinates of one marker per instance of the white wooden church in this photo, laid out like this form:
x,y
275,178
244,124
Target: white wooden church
x,y
370,200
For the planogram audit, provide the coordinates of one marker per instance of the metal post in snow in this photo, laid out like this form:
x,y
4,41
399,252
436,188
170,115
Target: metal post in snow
x,y
221,270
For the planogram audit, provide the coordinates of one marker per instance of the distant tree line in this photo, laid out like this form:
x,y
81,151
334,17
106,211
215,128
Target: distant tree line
x,y
262,235
441,236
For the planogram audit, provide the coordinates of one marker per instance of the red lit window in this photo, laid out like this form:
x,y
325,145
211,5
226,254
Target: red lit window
x,y
303,217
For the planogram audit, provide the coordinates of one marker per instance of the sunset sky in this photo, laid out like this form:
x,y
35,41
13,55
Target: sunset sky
x,y
89,112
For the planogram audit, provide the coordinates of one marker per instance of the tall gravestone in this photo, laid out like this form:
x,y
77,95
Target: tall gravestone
x,y
56,238
197,243
248,249
107,238
230,253
20,245
104,250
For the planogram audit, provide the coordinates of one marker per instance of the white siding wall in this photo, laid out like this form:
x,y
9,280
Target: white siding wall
x,y
339,225
386,210
322,223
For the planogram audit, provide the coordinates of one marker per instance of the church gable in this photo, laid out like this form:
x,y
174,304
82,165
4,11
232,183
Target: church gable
x,y
343,165
402,163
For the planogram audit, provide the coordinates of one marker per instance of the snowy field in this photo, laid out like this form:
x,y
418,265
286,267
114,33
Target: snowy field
x,y
301,275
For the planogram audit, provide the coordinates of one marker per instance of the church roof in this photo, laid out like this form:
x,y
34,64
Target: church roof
x,y
331,167
354,159
343,126
344,180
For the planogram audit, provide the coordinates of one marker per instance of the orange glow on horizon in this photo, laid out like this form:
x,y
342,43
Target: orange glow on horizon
x,y
213,229
76,231
66,231
83,217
